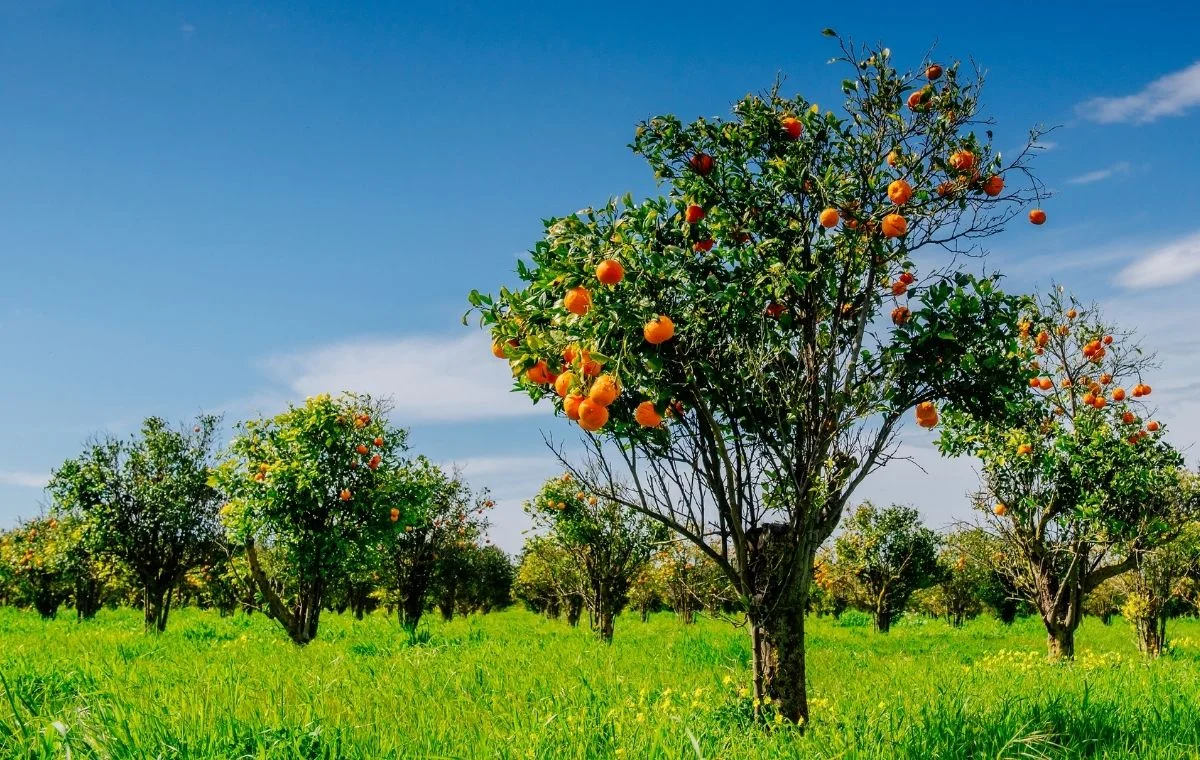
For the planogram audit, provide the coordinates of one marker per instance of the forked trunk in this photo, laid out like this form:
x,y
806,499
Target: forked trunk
x,y
1061,643
155,607
1151,634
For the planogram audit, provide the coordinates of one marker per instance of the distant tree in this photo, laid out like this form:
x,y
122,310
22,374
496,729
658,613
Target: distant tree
x,y
1105,601
1078,482
891,554
1155,587
611,542
550,579
490,582
690,581
646,593
146,502
37,560
319,484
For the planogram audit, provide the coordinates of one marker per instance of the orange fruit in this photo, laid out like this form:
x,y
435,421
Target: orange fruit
x,y
829,218
1152,426
345,495
701,163
926,410
374,463
592,416
899,288
569,354
1043,338
1089,398
539,374
1071,314
361,448
1118,394
378,440
604,391
693,214
1100,402
945,189
1105,379
908,278
646,415
1033,382
892,158
1037,216
900,315
562,385
395,514
1066,382
999,510
962,160
578,300
659,330
933,72
1108,340
1045,383
498,351
899,192
1129,418
793,127
994,185
610,272
914,99
571,406
703,245
894,225
1024,449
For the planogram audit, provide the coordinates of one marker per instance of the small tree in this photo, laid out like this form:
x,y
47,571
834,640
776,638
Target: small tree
x,y
1154,586
611,542
752,340
445,515
1073,474
37,556
549,579
490,583
147,503
690,581
891,554
966,573
320,484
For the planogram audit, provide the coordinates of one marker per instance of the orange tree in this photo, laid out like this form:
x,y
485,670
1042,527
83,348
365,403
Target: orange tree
x,y
37,557
445,516
320,485
752,339
1075,473
611,542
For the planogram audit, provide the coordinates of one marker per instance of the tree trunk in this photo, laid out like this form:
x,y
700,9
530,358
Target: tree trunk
x,y
574,610
1061,643
782,564
645,610
1060,602
412,606
883,619
87,598
603,620
446,607
154,604
554,609
1152,634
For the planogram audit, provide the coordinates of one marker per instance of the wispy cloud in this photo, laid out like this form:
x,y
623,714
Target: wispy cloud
x,y
429,379
186,29
24,479
1100,174
1170,95
1170,263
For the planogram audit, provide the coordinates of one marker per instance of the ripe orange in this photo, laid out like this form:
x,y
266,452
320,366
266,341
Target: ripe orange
x,y
361,448
590,367
604,391
994,185
945,189
571,406
703,245
345,495
646,415
1118,394
578,300
915,99
1129,418
569,354
1045,383
1152,426
1066,382
926,411
395,514
892,158
829,218
1089,398
1105,379
498,351
1043,338
899,192
1108,340
1024,449
610,272
1063,330
900,315
562,385
1071,314
693,214
933,72
894,225
1100,402
962,160
378,440
793,127
1034,382
908,278
1037,216
592,416
539,374
659,330
374,463
701,163
999,510
899,288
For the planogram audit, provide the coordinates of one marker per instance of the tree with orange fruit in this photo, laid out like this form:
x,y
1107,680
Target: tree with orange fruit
x,y
1078,479
741,356
320,484
610,542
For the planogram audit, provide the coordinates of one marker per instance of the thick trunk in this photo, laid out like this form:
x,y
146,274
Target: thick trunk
x,y
1060,602
883,619
412,606
782,565
1061,643
574,610
154,609
603,620
87,598
1151,634
302,621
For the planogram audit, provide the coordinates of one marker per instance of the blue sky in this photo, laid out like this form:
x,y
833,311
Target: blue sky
x,y
224,206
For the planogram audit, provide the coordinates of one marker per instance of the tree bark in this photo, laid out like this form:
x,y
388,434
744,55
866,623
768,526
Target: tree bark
x,y
883,619
1152,634
574,610
154,609
1061,643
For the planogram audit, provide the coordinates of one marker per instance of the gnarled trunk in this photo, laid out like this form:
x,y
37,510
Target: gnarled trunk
x,y
302,620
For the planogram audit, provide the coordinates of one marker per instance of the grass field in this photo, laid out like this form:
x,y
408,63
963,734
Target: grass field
x,y
512,685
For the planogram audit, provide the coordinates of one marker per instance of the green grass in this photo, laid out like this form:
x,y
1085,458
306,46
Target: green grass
x,y
512,685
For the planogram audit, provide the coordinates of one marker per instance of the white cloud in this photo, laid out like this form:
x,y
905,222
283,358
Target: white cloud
x,y
1170,95
1100,174
1168,264
429,379
24,479
511,480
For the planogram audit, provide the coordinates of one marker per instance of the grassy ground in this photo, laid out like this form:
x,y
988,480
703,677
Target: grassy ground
x,y
512,685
